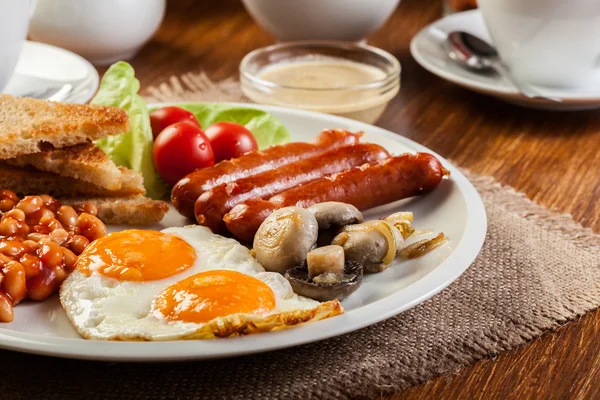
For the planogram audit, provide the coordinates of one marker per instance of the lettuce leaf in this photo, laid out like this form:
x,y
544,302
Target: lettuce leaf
x,y
132,149
267,129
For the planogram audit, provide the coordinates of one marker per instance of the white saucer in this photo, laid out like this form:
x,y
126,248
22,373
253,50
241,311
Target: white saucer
x,y
429,48
51,73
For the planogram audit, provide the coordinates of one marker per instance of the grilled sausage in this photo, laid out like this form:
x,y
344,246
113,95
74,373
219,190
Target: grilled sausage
x,y
187,190
213,204
364,187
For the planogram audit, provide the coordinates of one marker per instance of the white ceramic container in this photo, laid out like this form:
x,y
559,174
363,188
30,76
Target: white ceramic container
x,y
14,19
103,31
349,20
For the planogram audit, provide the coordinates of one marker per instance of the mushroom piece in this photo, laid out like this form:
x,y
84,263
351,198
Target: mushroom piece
x,y
327,286
373,244
325,260
335,214
285,238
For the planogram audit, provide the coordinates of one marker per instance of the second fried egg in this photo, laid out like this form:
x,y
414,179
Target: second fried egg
x,y
180,283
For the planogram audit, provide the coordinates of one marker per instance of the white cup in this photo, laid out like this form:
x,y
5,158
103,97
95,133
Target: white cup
x,y
14,21
551,43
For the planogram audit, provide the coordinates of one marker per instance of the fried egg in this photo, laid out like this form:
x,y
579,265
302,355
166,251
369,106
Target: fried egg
x,y
179,283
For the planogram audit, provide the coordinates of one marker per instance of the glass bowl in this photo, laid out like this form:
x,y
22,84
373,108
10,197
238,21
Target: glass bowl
x,y
347,79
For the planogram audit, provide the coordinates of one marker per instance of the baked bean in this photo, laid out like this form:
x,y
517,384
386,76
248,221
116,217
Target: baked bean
x,y
23,230
30,204
50,202
42,229
12,248
31,264
59,275
91,227
7,205
51,254
8,227
67,217
40,240
37,237
30,246
69,258
78,243
51,222
9,195
87,208
42,285
14,281
16,214
35,217
59,236
6,309
4,260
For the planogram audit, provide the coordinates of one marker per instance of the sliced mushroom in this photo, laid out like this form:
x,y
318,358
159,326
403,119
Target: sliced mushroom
x,y
335,214
373,244
325,260
285,238
328,286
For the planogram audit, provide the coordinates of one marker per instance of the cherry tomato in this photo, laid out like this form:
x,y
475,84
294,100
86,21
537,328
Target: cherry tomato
x,y
181,149
163,117
230,140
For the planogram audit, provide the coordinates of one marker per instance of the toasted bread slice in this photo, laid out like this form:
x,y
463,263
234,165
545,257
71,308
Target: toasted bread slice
x,y
86,162
132,210
28,180
27,123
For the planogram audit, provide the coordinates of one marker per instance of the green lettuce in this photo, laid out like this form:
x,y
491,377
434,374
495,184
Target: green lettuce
x,y
267,129
133,149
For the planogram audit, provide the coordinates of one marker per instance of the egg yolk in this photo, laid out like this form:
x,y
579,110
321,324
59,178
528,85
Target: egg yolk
x,y
137,255
207,295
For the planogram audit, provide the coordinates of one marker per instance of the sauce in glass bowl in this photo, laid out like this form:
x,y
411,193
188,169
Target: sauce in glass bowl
x,y
346,79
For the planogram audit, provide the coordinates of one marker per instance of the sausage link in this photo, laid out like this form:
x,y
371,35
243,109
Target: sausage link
x,y
213,204
244,219
186,191
364,187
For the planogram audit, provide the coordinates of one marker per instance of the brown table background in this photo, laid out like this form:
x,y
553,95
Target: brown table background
x,y
553,157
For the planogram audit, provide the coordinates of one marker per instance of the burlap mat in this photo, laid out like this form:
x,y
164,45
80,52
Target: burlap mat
x,y
537,270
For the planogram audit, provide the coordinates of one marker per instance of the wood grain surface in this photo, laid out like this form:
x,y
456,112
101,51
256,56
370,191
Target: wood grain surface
x,y
553,157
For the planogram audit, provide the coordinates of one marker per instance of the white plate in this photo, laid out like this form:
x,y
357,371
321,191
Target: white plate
x,y
454,208
51,73
430,50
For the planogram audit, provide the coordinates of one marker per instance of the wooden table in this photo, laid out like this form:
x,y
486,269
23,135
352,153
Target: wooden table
x,y
553,157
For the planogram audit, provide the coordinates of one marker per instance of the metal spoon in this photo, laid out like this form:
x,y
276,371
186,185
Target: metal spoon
x,y
478,55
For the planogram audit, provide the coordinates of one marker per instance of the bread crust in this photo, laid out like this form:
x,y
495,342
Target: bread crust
x,y
86,162
26,124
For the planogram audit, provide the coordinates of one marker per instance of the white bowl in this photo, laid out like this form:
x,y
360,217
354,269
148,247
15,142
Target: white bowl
x,y
103,31
349,20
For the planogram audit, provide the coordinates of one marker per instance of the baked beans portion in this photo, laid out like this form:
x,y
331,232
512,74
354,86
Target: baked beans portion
x,y
40,240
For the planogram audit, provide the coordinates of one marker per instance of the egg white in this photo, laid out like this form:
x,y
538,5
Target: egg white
x,y
105,308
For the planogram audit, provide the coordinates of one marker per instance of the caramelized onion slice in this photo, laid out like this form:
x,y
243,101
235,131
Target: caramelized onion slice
x,y
423,247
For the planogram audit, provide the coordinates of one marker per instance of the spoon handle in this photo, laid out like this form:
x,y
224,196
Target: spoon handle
x,y
525,89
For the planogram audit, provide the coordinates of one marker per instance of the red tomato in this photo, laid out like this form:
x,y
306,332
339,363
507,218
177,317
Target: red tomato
x,y
180,149
230,140
163,117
